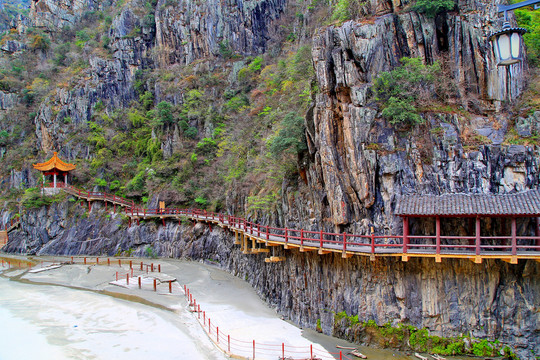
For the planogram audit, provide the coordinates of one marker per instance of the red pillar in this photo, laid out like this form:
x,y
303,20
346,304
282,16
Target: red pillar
x,y
477,236
405,233
514,237
537,232
438,234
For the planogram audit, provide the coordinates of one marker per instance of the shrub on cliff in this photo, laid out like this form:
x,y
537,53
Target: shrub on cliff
x,y
530,20
400,91
33,199
433,7
344,10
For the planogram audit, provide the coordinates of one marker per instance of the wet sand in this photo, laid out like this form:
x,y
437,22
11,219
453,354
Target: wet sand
x,y
230,303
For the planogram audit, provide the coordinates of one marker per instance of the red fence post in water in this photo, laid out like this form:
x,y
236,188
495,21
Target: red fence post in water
x,y
152,267
340,355
283,350
131,264
72,259
155,285
127,279
140,285
97,261
253,349
159,268
142,266
119,263
311,351
229,343
170,287
108,262
84,261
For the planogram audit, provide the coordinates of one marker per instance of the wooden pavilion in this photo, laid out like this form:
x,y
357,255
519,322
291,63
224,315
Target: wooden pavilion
x,y
481,221
55,167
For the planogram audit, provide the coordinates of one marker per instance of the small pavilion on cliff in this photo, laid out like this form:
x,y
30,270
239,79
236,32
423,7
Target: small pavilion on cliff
x,y
55,167
489,217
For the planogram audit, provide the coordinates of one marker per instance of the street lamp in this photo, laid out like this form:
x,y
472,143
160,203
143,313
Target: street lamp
x,y
507,43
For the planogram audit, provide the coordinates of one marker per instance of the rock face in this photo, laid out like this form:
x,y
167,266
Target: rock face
x,y
58,14
7,100
188,30
346,127
493,299
107,80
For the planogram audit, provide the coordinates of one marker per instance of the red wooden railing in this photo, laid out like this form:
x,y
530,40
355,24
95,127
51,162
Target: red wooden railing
x,y
11,224
522,246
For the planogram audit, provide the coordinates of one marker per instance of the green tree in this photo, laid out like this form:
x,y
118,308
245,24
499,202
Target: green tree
x,y
401,90
530,20
433,7
291,137
163,114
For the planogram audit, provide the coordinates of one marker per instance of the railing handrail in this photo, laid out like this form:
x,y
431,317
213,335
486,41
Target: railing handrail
x,y
312,238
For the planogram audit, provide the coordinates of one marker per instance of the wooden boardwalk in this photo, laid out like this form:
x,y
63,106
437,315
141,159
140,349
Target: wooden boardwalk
x,y
255,238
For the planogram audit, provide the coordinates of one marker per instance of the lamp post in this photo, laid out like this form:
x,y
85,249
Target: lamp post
x,y
507,43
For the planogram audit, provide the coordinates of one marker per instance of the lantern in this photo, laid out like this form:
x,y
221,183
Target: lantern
x,y
507,44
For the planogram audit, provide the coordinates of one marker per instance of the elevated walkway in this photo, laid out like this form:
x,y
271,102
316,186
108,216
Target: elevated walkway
x,y
256,239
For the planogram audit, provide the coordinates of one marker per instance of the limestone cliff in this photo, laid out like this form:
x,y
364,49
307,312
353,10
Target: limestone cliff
x,y
190,30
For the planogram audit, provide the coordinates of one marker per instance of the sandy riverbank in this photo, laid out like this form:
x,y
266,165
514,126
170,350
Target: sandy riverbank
x,y
229,302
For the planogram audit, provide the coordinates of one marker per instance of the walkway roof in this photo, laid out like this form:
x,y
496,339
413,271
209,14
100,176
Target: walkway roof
x,y
526,203
54,163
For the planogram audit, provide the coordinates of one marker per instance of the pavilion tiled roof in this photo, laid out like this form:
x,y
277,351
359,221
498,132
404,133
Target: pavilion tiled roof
x,y
54,163
526,203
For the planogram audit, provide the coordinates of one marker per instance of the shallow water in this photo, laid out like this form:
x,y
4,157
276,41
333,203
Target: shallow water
x,y
54,322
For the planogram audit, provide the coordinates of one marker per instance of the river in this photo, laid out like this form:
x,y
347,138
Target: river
x,y
74,313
